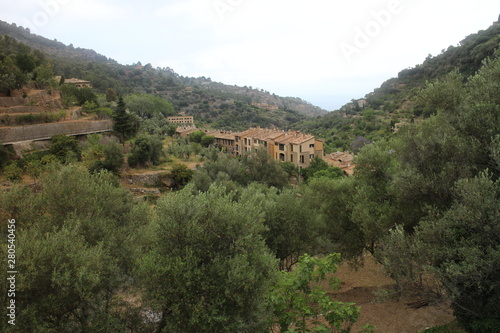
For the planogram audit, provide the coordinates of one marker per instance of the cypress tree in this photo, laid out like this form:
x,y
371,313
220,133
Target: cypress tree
x,y
125,124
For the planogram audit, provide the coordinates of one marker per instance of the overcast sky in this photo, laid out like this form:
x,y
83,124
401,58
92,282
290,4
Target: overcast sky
x,y
324,51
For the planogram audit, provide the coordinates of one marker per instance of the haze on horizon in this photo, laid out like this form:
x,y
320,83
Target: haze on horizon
x,y
324,52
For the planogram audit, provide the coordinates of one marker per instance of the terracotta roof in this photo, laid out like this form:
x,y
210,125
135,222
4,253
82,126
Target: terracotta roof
x,y
343,160
222,134
267,134
247,132
294,137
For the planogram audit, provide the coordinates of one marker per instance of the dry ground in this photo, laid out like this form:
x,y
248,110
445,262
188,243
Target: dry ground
x,y
389,315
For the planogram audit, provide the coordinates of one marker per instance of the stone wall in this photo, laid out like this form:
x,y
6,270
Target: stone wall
x,y
9,135
145,179
40,98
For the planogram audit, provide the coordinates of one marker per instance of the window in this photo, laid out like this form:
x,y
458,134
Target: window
x,y
291,158
311,145
282,147
302,159
282,157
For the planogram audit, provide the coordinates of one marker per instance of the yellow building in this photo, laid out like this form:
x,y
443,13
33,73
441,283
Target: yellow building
x,y
290,146
181,120
283,146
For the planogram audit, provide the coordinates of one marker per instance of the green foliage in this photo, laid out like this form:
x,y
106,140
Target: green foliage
x,y
44,77
26,62
330,172
293,227
442,186
461,245
11,77
405,262
333,200
181,174
77,96
147,150
196,136
13,172
78,239
111,95
208,270
445,94
125,124
158,125
300,303
92,149
207,140
5,155
34,169
65,148
261,168
148,106
38,118
113,158
290,168
256,166
317,164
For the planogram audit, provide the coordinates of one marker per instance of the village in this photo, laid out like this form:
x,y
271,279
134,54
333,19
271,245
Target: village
x,y
283,146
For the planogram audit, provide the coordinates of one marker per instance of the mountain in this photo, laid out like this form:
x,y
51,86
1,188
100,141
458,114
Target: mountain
x,y
215,103
396,101
372,118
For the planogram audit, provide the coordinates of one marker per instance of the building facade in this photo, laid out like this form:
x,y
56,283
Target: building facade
x,y
182,120
283,146
289,146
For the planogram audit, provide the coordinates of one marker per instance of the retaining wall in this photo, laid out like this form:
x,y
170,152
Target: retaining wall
x,y
9,135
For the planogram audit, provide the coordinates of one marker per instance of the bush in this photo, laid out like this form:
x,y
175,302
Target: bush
x,y
65,148
113,159
13,173
181,174
46,117
147,150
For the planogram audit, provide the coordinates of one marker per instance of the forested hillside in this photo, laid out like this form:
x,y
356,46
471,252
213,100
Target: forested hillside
x,y
398,100
217,104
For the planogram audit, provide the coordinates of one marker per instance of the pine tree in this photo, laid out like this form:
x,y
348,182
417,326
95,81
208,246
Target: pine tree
x,y
125,124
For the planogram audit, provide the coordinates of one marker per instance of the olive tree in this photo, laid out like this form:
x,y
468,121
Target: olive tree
x,y
208,269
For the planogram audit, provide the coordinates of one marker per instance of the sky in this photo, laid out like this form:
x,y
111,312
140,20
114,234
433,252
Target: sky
x,y
326,52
